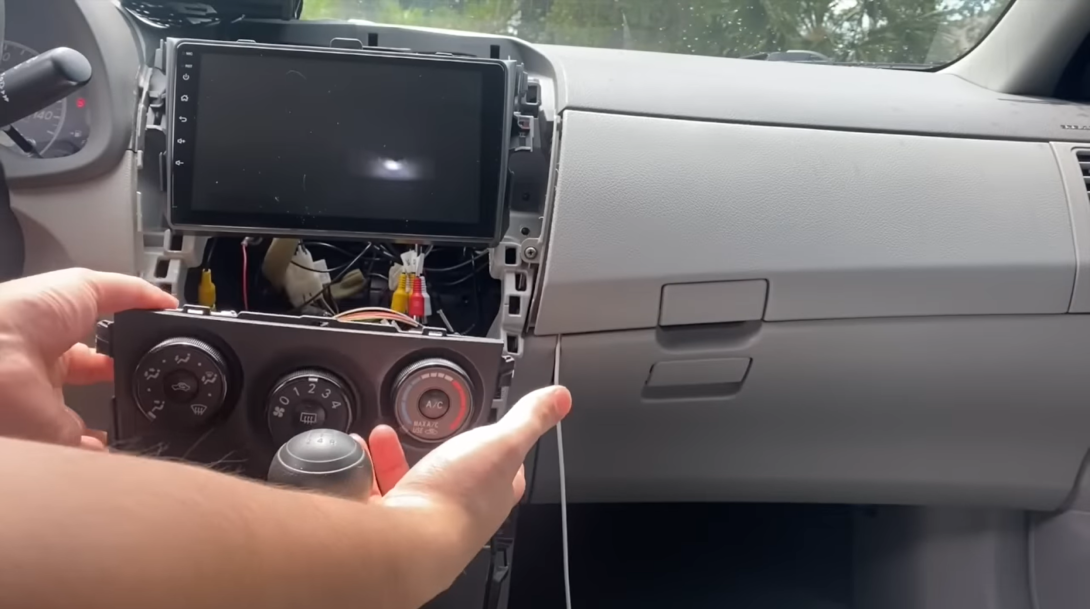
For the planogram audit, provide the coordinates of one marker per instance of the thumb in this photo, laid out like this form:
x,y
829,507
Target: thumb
x,y
373,492
534,415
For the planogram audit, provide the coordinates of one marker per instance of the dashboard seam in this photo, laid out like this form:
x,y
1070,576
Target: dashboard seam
x,y
960,136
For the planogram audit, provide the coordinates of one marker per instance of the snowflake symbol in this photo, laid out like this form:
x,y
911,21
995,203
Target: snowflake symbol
x,y
278,412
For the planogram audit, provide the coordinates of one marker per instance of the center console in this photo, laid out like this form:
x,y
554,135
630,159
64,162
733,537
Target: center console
x,y
228,390
353,222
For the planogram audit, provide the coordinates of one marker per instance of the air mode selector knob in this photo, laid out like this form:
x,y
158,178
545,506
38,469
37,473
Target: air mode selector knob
x,y
180,382
306,400
433,399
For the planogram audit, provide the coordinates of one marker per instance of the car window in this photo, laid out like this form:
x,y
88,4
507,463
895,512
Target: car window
x,y
897,32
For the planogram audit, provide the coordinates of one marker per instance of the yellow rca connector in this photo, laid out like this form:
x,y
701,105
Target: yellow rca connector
x,y
206,292
400,300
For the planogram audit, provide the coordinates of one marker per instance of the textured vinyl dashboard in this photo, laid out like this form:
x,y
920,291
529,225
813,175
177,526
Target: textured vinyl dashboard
x,y
782,282
831,97
841,224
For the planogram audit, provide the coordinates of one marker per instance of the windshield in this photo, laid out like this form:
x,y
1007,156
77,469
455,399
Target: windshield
x,y
909,32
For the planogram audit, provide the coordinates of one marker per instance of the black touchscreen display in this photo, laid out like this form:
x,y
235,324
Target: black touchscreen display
x,y
315,141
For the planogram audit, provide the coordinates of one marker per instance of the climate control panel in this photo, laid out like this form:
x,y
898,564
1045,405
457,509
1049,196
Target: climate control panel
x,y
182,381
229,389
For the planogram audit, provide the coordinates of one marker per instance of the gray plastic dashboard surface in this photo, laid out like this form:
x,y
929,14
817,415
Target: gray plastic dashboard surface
x,y
841,224
780,93
974,410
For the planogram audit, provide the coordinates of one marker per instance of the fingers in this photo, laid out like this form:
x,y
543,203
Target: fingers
x,y
93,444
55,310
80,424
64,427
114,292
96,434
83,366
534,415
50,424
388,457
374,492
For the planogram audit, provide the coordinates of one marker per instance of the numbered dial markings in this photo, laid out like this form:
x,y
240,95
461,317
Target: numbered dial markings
x,y
308,399
181,381
433,400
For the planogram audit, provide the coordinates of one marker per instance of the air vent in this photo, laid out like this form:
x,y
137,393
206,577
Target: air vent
x,y
1084,164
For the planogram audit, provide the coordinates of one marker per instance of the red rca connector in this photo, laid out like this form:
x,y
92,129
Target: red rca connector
x,y
416,299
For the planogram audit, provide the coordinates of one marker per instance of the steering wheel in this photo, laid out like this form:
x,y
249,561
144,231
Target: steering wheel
x,y
12,254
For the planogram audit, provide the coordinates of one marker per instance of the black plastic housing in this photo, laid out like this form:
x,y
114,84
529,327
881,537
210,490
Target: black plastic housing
x,y
259,349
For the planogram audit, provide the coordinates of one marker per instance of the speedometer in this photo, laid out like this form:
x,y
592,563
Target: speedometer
x,y
43,127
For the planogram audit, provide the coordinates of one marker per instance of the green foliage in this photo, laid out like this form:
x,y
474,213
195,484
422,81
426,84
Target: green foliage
x,y
865,31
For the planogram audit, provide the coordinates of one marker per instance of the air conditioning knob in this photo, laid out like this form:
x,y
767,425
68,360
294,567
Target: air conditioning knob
x,y
433,399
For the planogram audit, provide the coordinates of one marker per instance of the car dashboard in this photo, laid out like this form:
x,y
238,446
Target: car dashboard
x,y
870,292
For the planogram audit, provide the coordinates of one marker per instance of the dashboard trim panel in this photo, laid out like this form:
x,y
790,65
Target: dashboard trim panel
x,y
744,91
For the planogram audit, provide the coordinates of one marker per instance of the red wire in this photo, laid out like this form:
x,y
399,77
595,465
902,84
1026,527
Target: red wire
x,y
245,278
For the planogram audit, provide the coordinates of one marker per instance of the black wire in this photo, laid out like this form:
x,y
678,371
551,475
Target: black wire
x,y
457,282
313,299
325,289
459,265
336,248
476,301
390,252
369,273
314,270
330,246
208,252
349,266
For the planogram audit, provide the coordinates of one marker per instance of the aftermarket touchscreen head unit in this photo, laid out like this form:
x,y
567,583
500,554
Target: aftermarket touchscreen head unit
x,y
274,139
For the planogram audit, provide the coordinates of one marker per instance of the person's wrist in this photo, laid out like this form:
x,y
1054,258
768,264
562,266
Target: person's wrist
x,y
432,544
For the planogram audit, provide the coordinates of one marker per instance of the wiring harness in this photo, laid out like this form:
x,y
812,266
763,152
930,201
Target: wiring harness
x,y
376,283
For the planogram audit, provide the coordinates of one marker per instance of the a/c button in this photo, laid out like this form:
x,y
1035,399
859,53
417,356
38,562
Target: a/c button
x,y
434,404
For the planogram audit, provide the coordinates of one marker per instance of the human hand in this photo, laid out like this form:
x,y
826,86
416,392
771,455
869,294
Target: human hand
x,y
42,320
461,492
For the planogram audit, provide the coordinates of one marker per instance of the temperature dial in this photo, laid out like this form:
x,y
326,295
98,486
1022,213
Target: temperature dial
x,y
181,382
305,400
433,399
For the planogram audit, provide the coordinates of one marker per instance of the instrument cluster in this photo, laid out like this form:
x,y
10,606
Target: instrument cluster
x,y
63,128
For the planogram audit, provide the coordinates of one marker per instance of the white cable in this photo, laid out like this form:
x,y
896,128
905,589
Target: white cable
x,y
563,487
446,322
